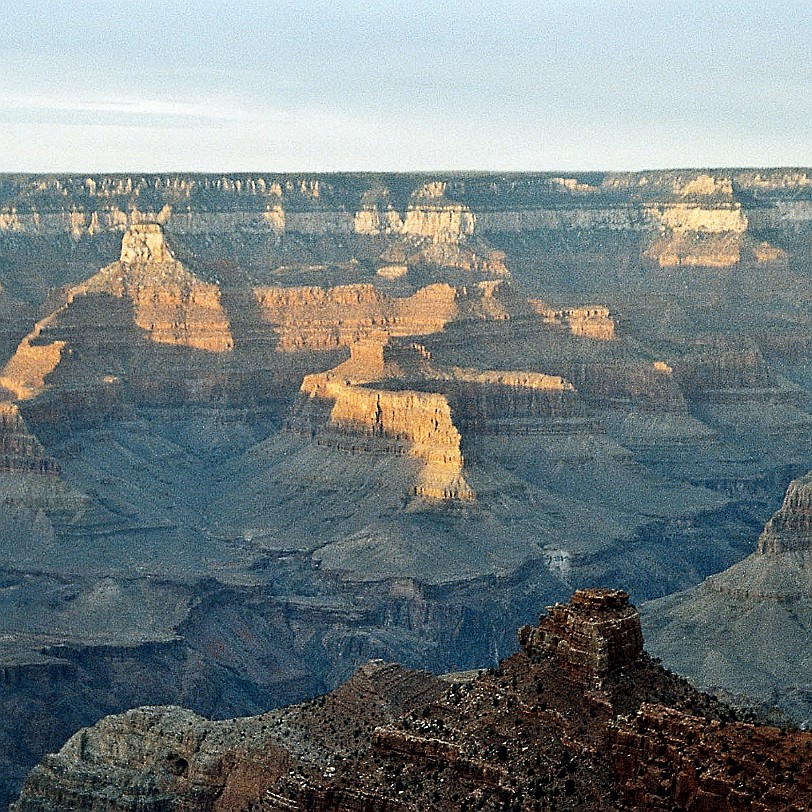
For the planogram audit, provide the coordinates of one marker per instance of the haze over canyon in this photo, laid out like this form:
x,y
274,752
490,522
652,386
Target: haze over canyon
x,y
259,429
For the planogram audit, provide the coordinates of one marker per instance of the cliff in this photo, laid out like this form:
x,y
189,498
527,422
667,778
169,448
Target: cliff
x,y
419,409
149,755
790,528
19,449
662,761
315,318
441,210
592,322
429,215
537,730
597,633
415,423
721,365
165,301
169,303
753,617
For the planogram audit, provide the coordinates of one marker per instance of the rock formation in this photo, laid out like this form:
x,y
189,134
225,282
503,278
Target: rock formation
x,y
396,419
415,423
790,529
315,318
720,368
753,639
592,322
536,732
32,492
669,760
210,516
19,449
169,304
431,215
697,234
597,633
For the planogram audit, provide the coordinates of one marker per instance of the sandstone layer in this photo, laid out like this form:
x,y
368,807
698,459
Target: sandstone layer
x,y
313,318
169,304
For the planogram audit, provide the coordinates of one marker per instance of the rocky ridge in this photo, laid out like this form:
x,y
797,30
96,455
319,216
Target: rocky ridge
x,y
535,733
168,304
790,529
758,641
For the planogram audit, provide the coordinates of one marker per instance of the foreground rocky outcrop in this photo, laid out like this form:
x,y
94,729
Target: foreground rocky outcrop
x,y
581,718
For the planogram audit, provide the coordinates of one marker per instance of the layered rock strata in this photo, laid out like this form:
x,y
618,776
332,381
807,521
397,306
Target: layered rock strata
x,y
418,424
20,451
417,409
592,322
147,286
669,760
532,733
749,624
429,215
314,318
169,303
790,528
596,633
719,369
697,202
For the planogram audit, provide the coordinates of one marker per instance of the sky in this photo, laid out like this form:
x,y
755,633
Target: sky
x,y
550,85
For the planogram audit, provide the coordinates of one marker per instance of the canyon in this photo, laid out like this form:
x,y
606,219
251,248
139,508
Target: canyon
x,y
259,429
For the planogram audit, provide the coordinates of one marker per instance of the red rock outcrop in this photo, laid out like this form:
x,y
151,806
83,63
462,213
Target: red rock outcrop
x,y
668,760
598,632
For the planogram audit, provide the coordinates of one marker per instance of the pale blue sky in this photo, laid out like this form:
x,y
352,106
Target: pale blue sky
x,y
343,85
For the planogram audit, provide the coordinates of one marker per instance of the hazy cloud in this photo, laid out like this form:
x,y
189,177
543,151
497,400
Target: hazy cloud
x,y
348,85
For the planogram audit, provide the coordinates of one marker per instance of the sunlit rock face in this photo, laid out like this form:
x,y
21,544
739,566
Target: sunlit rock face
x,y
169,303
147,289
315,318
431,215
